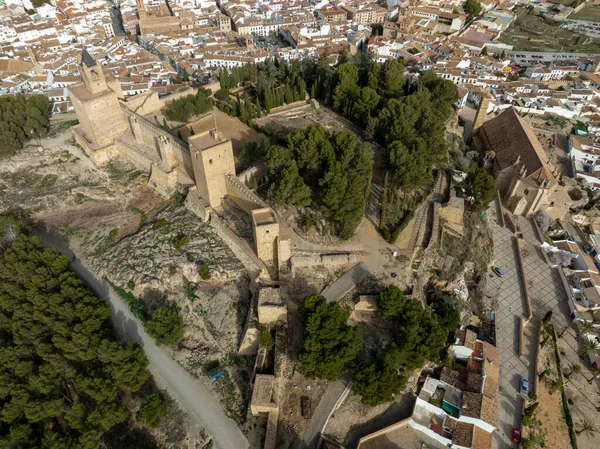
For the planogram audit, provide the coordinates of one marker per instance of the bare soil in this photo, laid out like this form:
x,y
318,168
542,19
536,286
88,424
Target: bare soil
x,y
549,420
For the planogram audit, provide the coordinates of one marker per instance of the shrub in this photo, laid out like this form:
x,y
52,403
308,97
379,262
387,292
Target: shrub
x,y
152,409
266,340
204,272
165,326
181,242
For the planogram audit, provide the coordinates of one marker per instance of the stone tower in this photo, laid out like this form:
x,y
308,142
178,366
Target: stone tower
x,y
96,102
212,159
142,14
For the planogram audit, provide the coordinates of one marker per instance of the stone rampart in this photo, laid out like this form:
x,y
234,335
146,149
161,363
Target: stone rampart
x,y
196,204
241,195
252,175
239,247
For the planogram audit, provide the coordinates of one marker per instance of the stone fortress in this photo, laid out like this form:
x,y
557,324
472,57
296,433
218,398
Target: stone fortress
x,y
203,168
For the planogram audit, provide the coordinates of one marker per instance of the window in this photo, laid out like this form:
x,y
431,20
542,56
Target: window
x,y
210,161
526,191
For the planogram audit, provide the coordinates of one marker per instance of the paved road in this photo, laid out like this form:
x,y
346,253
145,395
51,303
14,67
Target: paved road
x,y
329,401
346,282
546,293
193,397
511,305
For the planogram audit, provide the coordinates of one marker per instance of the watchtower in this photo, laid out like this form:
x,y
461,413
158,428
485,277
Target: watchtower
x,y
212,159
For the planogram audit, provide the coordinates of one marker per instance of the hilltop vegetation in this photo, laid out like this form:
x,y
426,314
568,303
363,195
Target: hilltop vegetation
x,y
183,109
333,172
22,119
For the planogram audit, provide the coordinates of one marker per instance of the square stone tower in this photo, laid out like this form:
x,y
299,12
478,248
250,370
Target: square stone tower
x,y
96,102
266,232
212,159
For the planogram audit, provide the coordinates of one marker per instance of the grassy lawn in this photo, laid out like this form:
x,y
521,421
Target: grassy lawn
x,y
534,33
591,13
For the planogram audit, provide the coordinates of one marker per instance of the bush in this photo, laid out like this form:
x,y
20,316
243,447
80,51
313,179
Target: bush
x,y
181,242
221,95
152,409
266,340
165,326
204,272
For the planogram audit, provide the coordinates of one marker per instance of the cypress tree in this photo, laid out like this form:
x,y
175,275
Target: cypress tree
x,y
268,100
289,96
224,79
258,109
313,91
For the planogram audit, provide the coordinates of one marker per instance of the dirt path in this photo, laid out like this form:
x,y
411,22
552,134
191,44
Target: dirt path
x,y
192,396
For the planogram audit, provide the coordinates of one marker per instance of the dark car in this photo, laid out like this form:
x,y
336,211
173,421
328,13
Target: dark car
x,y
499,271
516,436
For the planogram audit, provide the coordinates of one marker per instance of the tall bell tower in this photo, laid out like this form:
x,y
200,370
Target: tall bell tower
x,y
96,103
92,74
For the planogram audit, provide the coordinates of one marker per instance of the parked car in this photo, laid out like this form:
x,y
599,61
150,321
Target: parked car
x,y
499,271
516,436
524,386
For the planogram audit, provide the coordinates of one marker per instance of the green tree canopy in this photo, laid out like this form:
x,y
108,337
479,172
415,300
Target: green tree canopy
x,y
329,344
481,187
183,109
165,326
152,409
22,119
472,7
62,370
332,171
379,381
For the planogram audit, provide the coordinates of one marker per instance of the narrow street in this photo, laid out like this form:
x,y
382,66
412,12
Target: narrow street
x,y
194,398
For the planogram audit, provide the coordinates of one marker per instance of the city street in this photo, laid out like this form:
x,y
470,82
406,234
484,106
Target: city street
x,y
546,293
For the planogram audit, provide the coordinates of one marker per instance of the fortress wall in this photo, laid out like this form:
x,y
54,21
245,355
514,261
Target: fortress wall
x,y
163,182
148,132
100,156
253,173
238,246
242,196
140,160
197,205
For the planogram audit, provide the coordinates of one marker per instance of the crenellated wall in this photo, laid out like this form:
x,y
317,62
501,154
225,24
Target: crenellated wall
x,y
242,196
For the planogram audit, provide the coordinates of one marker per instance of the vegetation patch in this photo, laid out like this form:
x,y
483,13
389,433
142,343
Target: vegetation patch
x,y
22,119
182,109
82,386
